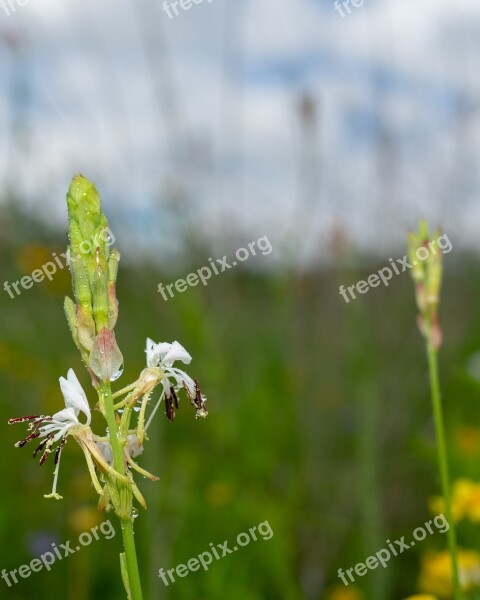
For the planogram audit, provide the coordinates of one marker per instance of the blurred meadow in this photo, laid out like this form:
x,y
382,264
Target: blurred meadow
x,y
332,139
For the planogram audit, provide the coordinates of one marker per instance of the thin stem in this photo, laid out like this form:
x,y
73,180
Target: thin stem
x,y
125,520
442,459
124,390
131,559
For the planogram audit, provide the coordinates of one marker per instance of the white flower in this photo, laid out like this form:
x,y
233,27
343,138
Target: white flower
x,y
163,356
57,427
65,422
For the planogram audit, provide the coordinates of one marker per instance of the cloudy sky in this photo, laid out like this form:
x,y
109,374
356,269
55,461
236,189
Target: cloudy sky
x,y
199,115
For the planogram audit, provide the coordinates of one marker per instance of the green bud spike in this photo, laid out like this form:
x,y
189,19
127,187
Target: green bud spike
x,y
434,280
417,267
427,274
81,283
99,273
85,329
71,314
113,261
94,270
423,232
83,203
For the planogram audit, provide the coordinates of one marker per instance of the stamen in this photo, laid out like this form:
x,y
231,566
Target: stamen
x,y
199,402
42,445
23,419
174,396
189,393
47,450
31,436
59,450
170,412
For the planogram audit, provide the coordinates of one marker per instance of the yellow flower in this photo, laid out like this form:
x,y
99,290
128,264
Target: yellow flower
x,y
468,440
341,592
465,501
436,573
421,597
84,518
219,494
32,256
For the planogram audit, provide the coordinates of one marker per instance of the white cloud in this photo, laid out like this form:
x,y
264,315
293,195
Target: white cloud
x,y
116,92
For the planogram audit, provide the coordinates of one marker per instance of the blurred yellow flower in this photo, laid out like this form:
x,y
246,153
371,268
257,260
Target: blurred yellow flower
x,y
421,597
219,494
465,501
84,518
345,593
468,440
33,256
436,573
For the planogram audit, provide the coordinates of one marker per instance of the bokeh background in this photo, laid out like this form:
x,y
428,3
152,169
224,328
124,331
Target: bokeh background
x,y
331,136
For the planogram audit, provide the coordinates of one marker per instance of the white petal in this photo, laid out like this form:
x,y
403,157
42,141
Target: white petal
x,y
61,433
74,395
67,415
162,349
155,352
151,355
73,381
106,450
133,448
176,352
181,378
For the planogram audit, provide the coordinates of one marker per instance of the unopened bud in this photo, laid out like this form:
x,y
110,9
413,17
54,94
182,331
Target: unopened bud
x,y
106,360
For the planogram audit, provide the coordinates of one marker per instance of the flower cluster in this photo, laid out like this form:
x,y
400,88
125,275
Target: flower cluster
x,y
92,315
53,431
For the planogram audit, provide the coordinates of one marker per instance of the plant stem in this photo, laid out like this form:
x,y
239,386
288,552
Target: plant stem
x,y
125,520
442,459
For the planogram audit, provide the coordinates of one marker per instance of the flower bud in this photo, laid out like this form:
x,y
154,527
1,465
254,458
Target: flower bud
x,y
106,360
427,275
94,271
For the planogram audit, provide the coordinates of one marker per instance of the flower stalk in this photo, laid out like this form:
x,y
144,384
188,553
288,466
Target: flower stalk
x,y
427,274
91,316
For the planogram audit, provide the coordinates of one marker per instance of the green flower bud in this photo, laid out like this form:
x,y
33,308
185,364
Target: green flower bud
x,y
83,203
71,314
94,271
427,275
99,274
417,267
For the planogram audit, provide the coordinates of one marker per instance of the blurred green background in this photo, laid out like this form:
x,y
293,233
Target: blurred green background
x,y
330,134
319,423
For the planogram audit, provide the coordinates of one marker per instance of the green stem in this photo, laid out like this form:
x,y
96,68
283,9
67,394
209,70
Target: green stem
x,y
442,459
125,520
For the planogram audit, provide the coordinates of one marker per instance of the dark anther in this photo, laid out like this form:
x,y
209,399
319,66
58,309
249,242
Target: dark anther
x,y
169,408
174,396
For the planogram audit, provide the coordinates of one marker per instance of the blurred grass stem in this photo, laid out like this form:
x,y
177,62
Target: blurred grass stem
x,y
432,355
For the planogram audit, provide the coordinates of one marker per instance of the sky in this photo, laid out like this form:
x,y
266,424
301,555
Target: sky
x,y
198,116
